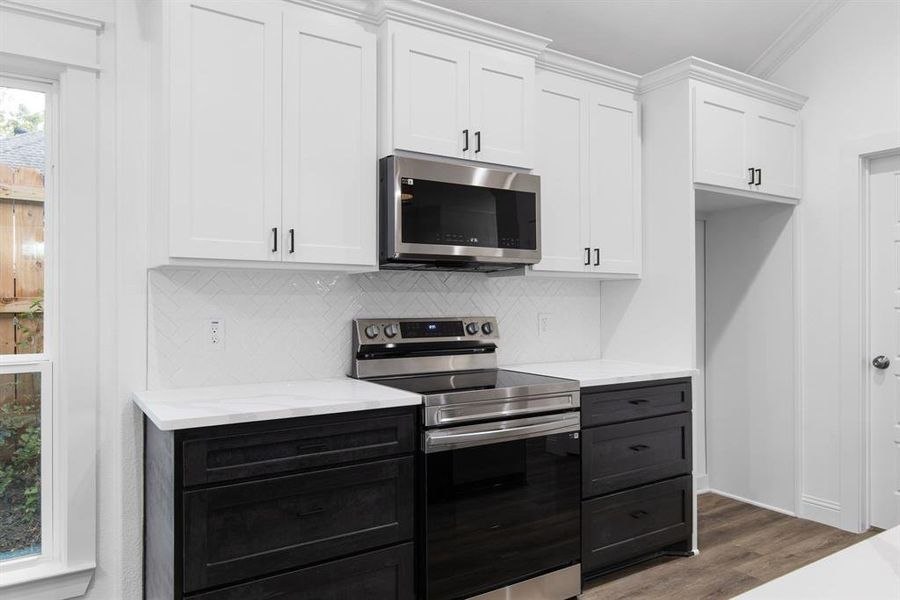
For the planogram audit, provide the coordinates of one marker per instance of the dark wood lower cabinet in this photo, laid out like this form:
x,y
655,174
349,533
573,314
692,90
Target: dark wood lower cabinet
x,y
298,511
380,574
637,487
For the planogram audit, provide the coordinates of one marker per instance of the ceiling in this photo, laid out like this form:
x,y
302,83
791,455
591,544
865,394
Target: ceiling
x,y
643,35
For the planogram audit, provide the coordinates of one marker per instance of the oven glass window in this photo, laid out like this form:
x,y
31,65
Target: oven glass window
x,y
501,513
463,215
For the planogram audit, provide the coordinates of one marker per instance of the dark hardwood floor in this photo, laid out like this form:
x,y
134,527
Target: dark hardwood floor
x,y
741,546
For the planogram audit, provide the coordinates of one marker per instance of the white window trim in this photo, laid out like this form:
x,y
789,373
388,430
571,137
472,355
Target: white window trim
x,y
67,562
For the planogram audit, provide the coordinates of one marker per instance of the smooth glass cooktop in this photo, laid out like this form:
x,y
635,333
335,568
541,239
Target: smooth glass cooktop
x,y
467,381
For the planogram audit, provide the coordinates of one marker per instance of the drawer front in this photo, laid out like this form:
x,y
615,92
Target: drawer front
x,y
237,452
615,457
246,530
600,406
626,525
384,574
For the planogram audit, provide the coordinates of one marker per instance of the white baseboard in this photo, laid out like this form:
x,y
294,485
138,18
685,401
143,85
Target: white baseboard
x,y
701,483
820,510
754,502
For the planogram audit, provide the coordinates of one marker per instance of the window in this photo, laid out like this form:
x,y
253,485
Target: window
x,y
25,358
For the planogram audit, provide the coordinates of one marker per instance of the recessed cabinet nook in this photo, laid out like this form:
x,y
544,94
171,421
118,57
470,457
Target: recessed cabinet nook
x,y
271,118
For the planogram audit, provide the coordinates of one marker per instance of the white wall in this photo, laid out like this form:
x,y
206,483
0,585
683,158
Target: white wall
x,y
652,320
281,326
701,473
750,354
850,69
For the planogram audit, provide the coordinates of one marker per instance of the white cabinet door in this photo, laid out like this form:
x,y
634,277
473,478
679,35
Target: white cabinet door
x,y
562,163
615,200
225,136
330,178
431,93
722,120
775,135
501,92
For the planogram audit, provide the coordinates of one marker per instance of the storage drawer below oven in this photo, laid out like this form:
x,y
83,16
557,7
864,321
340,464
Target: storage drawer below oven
x,y
623,526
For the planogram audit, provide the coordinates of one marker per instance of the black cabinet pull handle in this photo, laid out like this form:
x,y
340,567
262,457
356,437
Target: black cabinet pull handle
x,y
291,233
466,134
274,239
639,447
752,179
638,401
638,514
758,177
596,257
477,142
587,256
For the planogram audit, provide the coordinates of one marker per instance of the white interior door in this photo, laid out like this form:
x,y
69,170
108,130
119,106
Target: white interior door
x,y
502,109
226,130
431,94
884,336
562,163
330,178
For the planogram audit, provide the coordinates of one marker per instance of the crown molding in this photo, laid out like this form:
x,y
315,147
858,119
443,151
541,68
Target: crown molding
x,y
707,72
360,10
793,38
574,66
47,14
450,22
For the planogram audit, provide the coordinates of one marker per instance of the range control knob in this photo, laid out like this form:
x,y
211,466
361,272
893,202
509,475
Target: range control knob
x,y
391,330
487,328
472,328
372,331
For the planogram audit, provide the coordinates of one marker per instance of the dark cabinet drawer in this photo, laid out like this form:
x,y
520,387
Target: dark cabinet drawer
x,y
626,525
616,404
215,455
246,530
383,574
615,457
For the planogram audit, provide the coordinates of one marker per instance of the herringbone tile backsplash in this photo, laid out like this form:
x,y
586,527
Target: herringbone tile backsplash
x,y
284,326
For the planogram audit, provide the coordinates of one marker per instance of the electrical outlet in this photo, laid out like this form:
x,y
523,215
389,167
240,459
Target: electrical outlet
x,y
545,325
215,339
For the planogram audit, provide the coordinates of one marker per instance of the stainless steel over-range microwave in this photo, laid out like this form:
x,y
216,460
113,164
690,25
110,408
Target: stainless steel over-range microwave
x,y
444,216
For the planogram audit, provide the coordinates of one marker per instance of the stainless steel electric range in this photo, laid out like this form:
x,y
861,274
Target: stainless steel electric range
x,y
500,470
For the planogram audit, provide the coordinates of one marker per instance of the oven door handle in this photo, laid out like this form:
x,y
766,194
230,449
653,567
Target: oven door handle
x,y
504,431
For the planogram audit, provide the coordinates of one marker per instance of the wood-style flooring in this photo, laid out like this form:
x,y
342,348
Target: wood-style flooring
x,y
741,546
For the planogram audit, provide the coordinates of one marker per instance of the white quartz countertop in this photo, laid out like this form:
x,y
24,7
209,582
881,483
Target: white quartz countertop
x,y
207,406
603,372
869,569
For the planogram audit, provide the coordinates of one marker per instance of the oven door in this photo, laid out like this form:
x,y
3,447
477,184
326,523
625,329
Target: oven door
x,y
501,503
450,212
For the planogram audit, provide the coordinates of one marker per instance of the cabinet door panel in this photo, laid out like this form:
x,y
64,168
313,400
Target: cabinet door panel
x,y
225,157
431,94
502,109
330,178
615,193
776,142
562,163
721,138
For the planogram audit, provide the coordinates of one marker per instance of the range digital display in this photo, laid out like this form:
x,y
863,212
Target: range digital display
x,y
427,329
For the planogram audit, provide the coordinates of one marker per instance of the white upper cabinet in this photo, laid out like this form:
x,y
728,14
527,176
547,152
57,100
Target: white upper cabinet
x,y
330,172
225,149
562,163
431,94
588,157
615,199
271,147
501,108
452,97
744,143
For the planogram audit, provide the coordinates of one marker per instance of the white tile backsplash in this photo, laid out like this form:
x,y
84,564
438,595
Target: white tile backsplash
x,y
283,326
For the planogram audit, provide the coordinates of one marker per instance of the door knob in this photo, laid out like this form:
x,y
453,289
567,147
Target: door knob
x,y
881,362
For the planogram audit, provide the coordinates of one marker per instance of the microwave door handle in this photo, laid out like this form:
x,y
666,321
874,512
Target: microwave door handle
x,y
436,441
